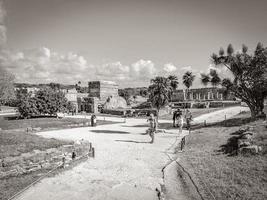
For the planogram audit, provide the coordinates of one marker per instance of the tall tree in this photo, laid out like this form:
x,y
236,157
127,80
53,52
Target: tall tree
x,y
173,83
188,79
215,80
7,91
159,92
205,79
249,82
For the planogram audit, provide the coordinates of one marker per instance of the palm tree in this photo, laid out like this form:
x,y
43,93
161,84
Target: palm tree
x,y
159,91
173,83
188,79
215,80
205,79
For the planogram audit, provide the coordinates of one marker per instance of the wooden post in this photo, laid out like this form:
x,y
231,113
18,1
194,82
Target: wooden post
x,y
93,152
205,124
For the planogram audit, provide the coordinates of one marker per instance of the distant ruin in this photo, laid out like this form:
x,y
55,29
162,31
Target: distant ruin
x,y
98,94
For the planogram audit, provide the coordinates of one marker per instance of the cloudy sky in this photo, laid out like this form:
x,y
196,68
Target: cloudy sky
x,y
127,41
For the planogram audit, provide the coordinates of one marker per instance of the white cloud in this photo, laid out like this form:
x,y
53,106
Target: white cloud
x,y
169,67
143,69
43,65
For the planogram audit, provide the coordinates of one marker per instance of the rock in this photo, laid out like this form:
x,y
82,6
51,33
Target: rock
x,y
46,165
243,143
253,149
247,135
9,173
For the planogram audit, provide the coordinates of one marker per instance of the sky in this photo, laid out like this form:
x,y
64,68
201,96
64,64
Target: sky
x,y
126,41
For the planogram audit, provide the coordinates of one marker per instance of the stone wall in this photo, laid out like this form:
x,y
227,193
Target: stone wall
x,y
48,159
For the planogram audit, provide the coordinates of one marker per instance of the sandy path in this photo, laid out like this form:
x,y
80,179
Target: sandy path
x,y
125,166
219,115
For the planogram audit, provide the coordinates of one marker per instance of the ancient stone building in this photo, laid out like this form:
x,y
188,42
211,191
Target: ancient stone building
x,y
103,89
99,93
201,94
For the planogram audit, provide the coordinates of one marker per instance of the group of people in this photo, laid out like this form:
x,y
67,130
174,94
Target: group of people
x,y
178,118
178,121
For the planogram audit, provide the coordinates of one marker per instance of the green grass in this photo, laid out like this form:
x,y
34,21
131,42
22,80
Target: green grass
x,y
7,123
221,175
14,143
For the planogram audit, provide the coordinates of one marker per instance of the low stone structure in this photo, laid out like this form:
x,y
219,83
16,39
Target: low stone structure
x,y
47,159
245,144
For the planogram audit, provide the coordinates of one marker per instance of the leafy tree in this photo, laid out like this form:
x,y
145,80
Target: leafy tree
x,y
249,82
125,94
45,101
159,92
28,106
7,91
188,79
54,86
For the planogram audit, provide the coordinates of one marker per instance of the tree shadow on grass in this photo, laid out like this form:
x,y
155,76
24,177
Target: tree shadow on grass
x,y
132,141
231,147
109,132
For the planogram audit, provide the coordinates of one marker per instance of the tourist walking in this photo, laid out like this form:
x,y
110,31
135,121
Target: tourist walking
x,y
152,126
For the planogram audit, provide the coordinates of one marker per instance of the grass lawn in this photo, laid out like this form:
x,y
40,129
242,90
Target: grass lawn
x,y
217,172
7,123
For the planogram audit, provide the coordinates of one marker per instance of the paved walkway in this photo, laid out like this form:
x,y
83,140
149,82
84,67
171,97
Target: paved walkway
x,y
126,166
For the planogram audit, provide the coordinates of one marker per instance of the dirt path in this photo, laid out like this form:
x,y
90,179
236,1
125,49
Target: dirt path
x,y
125,166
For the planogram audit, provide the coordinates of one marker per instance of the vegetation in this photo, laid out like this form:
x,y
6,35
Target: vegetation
x,y
159,92
249,82
126,95
219,175
45,101
188,79
12,122
205,79
173,83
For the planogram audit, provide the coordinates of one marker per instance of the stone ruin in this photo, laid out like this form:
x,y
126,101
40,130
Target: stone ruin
x,y
245,144
47,159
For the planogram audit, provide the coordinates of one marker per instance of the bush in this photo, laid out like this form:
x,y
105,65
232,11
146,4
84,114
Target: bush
x,y
45,102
